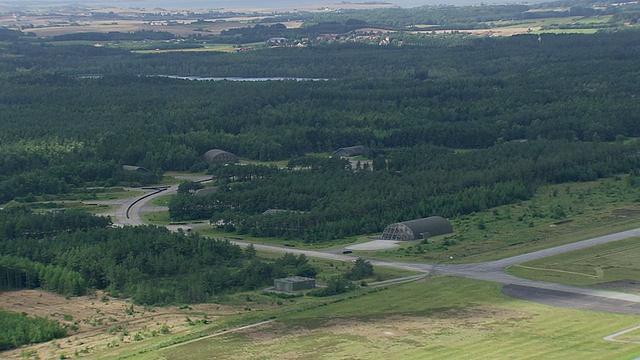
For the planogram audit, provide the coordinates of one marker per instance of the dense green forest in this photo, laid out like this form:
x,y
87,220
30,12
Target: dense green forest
x,y
450,128
331,200
73,252
19,329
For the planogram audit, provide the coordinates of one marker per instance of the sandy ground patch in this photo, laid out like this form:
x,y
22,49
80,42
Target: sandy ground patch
x,y
374,245
379,334
97,321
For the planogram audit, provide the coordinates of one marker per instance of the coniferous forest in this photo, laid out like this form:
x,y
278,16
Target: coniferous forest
x,y
450,126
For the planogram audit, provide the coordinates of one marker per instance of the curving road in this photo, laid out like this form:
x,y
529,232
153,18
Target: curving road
x,y
129,210
543,292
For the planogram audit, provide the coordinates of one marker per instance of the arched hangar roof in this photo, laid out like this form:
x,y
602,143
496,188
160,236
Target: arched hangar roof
x,y
417,229
220,156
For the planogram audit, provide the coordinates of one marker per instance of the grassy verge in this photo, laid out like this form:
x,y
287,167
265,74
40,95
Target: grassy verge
x,y
429,319
632,336
608,263
557,215
292,243
156,218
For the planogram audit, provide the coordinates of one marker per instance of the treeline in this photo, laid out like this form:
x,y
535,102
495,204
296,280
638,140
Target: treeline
x,y
19,222
20,329
71,253
21,273
325,199
116,36
9,35
21,179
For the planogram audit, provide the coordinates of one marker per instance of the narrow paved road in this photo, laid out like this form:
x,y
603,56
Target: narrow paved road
x,y
556,294
129,210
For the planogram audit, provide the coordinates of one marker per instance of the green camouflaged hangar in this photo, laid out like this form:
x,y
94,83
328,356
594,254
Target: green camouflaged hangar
x,y
417,229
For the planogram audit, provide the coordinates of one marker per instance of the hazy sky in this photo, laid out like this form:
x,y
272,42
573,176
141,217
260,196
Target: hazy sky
x,y
231,4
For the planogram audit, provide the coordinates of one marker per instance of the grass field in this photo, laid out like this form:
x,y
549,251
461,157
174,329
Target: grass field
x,y
429,319
156,218
228,48
609,263
293,243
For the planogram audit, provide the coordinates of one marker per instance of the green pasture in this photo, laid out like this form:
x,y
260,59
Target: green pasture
x,y
424,26
162,200
435,318
94,193
535,22
43,207
228,48
278,164
557,215
177,177
72,42
156,218
606,263
566,31
83,199
91,208
212,231
594,20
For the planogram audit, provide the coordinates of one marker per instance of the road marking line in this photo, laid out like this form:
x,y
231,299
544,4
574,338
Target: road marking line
x,y
556,270
613,336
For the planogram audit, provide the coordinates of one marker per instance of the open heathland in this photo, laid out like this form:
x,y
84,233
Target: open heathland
x,y
99,321
430,319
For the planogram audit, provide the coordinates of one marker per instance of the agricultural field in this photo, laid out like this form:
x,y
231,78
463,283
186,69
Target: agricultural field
x,y
432,318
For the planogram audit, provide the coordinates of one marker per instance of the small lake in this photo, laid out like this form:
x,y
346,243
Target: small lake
x,y
234,78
